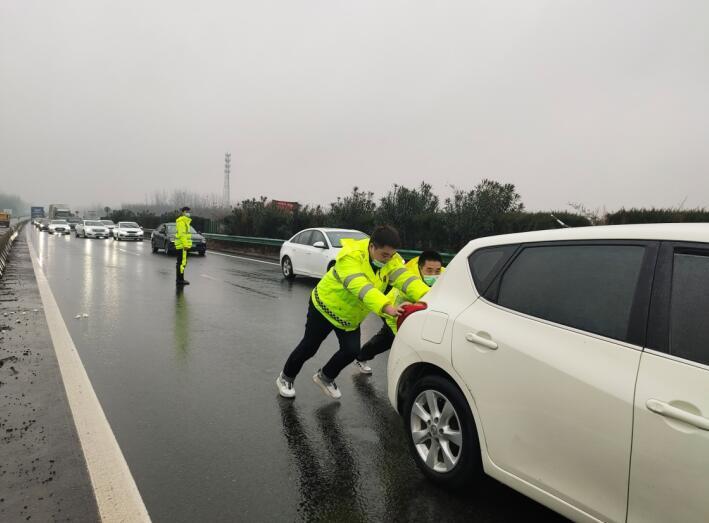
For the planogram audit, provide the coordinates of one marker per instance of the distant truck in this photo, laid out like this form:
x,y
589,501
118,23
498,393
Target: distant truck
x,y
36,212
59,211
5,218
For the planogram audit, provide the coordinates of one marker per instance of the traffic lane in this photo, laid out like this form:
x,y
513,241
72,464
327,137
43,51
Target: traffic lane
x,y
186,380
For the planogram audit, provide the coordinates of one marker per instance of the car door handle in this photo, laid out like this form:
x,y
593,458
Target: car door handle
x,y
669,411
480,340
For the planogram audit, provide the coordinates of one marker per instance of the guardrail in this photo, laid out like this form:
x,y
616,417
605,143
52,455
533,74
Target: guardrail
x,y
6,241
275,242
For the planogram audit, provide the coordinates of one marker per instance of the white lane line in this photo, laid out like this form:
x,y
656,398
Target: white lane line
x,y
243,258
117,495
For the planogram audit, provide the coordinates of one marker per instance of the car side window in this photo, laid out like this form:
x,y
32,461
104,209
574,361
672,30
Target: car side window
x,y
588,287
303,238
317,236
689,305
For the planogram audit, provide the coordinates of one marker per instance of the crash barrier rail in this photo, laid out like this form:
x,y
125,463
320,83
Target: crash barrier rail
x,y
276,243
273,242
7,238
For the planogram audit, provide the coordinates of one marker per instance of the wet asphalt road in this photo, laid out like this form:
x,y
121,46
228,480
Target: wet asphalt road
x,y
187,383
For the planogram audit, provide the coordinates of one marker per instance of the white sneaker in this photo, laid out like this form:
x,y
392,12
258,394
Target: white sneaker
x,y
363,367
329,388
285,388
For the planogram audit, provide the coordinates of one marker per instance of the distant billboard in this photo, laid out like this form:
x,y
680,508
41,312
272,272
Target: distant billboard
x,y
37,212
285,206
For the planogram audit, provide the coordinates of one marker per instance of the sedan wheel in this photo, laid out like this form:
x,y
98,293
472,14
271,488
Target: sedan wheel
x,y
287,268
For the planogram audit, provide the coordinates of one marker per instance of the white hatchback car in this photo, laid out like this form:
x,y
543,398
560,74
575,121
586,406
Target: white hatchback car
x,y
571,365
312,252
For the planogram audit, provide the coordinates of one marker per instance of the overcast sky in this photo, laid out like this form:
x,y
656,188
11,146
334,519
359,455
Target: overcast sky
x,y
599,102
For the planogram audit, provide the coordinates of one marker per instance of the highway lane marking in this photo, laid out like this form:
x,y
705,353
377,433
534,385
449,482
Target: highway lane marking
x,y
117,495
243,258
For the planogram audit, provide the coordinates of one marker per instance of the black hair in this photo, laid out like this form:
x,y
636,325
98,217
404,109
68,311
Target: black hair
x,y
429,256
185,209
385,236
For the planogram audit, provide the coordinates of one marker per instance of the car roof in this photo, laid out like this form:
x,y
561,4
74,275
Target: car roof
x,y
329,229
688,232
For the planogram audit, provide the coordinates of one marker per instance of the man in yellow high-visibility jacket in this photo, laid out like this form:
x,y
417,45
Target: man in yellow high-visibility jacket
x,y
428,266
183,243
354,287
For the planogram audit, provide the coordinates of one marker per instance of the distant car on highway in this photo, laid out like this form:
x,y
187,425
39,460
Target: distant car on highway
x,y
312,252
128,231
43,224
110,225
571,365
58,227
91,229
164,238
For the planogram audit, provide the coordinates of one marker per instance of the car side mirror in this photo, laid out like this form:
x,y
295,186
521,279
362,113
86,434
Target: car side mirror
x,y
320,245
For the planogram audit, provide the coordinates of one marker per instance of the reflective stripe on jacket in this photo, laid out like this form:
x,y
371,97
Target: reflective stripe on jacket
x,y
183,237
351,289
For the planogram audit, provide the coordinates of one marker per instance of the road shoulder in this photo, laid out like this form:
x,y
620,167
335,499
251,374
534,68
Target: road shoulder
x,y
43,473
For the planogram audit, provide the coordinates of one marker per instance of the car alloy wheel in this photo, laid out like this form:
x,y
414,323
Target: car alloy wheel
x,y
287,268
436,431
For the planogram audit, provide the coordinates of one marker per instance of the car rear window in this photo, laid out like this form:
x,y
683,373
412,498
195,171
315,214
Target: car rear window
x,y
689,328
588,287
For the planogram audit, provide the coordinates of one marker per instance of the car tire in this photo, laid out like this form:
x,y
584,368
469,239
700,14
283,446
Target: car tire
x,y
465,464
202,253
287,268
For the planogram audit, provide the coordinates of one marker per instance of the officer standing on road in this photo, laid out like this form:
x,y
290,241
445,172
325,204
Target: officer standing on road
x,y
350,290
183,243
428,266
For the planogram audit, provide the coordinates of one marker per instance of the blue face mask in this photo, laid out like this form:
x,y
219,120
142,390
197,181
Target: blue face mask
x,y
378,264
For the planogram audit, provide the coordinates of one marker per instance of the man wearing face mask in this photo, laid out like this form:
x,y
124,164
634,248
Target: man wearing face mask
x,y
350,290
183,243
428,266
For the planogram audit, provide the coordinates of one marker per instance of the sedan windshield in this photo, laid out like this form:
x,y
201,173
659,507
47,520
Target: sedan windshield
x,y
128,225
93,224
336,237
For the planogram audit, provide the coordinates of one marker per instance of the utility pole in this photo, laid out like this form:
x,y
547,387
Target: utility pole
x,y
227,190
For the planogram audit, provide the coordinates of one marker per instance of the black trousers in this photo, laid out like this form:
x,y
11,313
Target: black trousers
x,y
181,255
317,328
380,342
